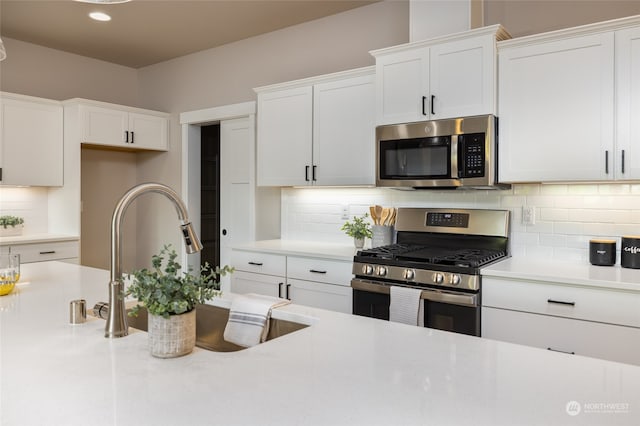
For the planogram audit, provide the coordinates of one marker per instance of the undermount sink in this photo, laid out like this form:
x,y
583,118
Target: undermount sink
x,y
210,324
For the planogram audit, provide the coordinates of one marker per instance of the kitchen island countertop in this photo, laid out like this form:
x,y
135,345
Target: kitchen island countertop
x,y
342,370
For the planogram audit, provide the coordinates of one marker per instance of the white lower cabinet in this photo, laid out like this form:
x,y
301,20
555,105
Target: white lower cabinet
x,y
40,252
320,283
585,321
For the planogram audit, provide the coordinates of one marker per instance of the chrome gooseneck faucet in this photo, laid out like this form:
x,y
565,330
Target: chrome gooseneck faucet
x,y
117,320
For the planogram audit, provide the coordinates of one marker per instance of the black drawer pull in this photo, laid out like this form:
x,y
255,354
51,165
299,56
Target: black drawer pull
x,y
255,263
48,252
424,99
315,271
280,289
287,296
564,352
560,302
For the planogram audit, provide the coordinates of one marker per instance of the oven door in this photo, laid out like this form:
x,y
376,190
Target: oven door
x,y
444,310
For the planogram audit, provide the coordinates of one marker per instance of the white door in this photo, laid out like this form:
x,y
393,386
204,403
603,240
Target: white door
x,y
236,190
104,126
320,295
248,282
556,110
31,142
628,104
284,137
344,132
462,78
402,87
148,132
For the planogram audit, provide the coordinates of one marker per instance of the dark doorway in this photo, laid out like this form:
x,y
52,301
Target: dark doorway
x,y
210,193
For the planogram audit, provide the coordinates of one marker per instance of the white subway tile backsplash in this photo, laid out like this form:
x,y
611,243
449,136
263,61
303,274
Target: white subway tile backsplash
x,y
567,216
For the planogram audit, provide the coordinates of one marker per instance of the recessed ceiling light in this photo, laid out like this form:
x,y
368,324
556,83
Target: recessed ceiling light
x,y
99,16
103,1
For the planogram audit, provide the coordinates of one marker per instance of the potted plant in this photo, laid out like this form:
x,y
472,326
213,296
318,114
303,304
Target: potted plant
x,y
170,297
359,229
11,225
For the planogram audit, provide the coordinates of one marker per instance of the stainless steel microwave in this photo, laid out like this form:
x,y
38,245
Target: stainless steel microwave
x,y
452,153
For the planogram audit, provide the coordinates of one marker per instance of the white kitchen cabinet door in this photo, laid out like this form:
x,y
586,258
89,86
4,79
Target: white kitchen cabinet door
x,y
462,78
46,251
123,129
319,295
31,141
598,340
627,155
248,282
402,86
285,119
344,132
148,132
556,106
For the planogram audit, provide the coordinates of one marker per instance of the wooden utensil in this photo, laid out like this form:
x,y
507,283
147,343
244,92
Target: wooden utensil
x,y
372,210
378,210
384,216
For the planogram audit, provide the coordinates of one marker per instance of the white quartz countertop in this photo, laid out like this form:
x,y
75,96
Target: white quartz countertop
x,y
36,238
302,248
581,274
342,370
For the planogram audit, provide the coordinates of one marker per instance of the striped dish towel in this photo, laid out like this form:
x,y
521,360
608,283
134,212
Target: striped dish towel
x,y
249,316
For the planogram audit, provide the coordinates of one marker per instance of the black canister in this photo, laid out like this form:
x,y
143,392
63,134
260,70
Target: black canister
x,y
602,252
630,252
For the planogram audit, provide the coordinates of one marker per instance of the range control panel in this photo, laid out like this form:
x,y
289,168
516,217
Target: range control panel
x,y
450,220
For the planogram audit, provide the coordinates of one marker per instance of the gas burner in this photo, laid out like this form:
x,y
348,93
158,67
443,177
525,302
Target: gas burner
x,y
470,258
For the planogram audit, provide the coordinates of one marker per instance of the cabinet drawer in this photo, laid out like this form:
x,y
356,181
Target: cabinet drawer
x,y
262,263
605,341
319,270
609,306
41,252
318,295
248,282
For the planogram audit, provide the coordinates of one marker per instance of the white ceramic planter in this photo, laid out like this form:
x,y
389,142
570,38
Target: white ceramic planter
x,y
172,337
11,231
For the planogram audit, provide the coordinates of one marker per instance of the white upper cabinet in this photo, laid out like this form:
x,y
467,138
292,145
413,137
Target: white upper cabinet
x,y
120,126
452,76
627,157
284,137
31,141
567,102
317,131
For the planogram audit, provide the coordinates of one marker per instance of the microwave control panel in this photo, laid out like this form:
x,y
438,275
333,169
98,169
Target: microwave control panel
x,y
472,153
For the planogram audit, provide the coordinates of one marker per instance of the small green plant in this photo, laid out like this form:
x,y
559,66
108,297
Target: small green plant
x,y
359,228
165,291
11,221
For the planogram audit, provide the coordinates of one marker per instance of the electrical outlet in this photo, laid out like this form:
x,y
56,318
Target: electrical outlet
x,y
528,215
345,212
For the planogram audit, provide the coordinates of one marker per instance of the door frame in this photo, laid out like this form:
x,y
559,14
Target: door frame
x,y
191,121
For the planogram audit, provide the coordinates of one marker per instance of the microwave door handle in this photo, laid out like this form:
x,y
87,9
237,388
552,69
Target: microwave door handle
x,y
454,157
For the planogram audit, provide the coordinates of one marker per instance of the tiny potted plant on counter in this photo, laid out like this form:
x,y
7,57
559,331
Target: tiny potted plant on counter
x,y
359,229
170,297
11,225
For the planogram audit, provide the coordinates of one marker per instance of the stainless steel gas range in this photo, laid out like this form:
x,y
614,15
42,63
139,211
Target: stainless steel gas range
x,y
439,251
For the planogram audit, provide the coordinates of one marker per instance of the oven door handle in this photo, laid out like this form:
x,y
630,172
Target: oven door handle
x,y
461,299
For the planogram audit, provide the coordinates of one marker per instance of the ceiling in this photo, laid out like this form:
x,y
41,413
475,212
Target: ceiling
x,y
145,32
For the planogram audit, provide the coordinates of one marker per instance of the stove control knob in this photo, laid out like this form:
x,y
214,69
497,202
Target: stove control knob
x,y
438,278
367,269
455,279
409,274
382,271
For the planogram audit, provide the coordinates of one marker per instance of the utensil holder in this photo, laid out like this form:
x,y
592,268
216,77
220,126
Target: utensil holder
x,y
381,235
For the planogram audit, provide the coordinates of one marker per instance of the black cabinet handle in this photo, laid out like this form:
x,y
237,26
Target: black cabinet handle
x,y
306,173
132,136
255,263
48,252
315,271
424,99
560,302
224,232
623,161
280,289
287,292
126,136
564,352
606,162
313,173
433,98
